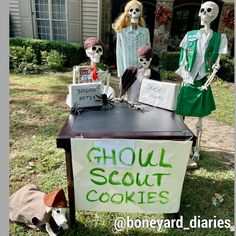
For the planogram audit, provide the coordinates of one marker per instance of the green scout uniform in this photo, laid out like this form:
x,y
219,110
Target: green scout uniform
x,y
192,101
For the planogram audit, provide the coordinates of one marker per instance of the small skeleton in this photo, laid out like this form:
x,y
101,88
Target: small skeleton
x,y
94,50
132,77
145,62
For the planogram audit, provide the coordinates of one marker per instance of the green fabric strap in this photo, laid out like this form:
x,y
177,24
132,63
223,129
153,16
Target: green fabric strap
x,y
211,52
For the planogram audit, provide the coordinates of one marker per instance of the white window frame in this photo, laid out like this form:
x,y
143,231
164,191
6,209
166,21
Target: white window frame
x,y
50,19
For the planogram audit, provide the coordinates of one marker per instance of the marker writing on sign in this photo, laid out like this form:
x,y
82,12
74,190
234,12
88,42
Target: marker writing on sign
x,y
128,157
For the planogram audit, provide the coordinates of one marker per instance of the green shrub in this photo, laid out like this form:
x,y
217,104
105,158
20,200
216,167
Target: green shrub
x,y
170,75
74,53
23,60
53,59
21,54
226,71
170,60
29,68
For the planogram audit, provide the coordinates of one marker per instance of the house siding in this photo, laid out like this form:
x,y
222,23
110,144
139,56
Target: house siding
x,y
14,14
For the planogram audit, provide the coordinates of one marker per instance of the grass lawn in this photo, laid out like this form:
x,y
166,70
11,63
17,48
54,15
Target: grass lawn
x,y
37,112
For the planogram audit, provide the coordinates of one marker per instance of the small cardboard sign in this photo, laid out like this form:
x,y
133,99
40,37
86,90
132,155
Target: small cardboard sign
x,y
127,175
85,94
159,94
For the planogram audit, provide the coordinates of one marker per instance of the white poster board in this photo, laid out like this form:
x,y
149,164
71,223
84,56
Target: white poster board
x,y
85,94
159,94
124,175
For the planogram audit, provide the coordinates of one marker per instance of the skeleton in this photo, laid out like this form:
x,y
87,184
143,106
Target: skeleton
x,y
131,33
94,51
135,13
145,62
132,77
207,13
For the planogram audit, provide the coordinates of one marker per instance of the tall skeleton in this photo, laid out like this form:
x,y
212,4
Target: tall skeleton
x,y
207,13
131,33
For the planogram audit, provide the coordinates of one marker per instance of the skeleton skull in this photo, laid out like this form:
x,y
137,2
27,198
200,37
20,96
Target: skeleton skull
x,y
145,62
94,53
208,12
135,13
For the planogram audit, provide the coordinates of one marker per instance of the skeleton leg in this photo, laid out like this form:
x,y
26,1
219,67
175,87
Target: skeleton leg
x,y
196,154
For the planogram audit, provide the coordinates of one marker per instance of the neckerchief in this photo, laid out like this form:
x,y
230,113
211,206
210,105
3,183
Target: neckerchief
x,y
94,73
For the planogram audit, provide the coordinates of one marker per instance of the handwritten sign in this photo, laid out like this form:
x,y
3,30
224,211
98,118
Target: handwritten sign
x,y
159,94
84,94
136,176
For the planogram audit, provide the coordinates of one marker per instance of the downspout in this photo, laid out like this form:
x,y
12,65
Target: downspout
x,y
99,17
33,19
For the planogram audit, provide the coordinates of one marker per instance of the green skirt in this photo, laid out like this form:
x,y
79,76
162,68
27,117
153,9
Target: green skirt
x,y
194,102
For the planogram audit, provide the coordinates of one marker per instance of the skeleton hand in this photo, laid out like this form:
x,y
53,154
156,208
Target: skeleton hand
x,y
203,87
216,66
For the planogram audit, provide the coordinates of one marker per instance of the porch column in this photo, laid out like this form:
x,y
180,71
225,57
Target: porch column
x,y
162,32
223,28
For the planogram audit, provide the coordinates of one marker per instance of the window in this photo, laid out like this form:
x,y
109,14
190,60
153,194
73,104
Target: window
x,y
51,19
184,19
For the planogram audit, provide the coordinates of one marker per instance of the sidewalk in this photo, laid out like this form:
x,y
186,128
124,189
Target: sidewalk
x,y
217,137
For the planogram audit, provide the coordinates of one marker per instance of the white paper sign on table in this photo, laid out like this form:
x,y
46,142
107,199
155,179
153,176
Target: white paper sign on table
x,y
85,94
159,94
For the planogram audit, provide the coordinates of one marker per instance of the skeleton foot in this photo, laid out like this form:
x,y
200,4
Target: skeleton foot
x,y
196,155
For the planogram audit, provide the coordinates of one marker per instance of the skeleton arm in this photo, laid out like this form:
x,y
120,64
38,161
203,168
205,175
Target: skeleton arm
x,y
104,77
75,70
215,67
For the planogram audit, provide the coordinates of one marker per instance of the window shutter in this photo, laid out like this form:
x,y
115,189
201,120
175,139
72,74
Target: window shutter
x,y
15,24
74,21
90,10
26,18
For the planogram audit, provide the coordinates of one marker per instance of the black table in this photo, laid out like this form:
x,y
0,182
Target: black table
x,y
121,122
